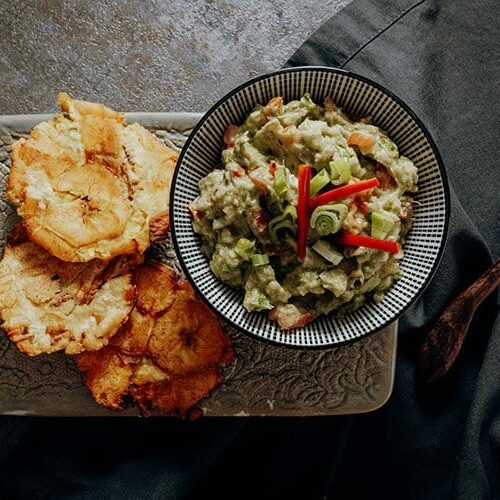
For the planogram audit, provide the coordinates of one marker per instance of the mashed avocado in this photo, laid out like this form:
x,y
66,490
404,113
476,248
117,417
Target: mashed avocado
x,y
246,210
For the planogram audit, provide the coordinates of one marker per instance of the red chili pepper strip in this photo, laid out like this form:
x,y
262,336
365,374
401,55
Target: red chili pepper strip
x,y
358,240
304,173
343,192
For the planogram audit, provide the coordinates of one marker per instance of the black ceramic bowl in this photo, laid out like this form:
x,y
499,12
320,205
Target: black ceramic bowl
x,y
358,96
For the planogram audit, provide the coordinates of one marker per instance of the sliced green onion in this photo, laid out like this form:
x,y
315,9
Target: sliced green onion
x,y
340,171
382,225
280,181
286,221
244,248
259,260
328,252
318,182
291,212
328,219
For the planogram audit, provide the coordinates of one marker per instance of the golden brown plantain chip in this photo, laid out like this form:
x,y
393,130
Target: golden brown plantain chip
x,y
171,349
177,395
157,283
48,305
107,375
187,338
88,186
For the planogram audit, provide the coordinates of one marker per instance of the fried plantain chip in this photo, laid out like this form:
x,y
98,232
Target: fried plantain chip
x,y
48,305
107,375
187,338
177,394
167,355
88,186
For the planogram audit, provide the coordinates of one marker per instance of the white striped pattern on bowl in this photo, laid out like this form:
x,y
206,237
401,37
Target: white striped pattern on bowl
x,y
359,97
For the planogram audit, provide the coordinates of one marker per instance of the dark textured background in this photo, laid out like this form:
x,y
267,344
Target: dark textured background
x,y
145,55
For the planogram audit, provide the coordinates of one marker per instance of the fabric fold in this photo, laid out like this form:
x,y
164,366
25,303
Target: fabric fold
x,y
433,56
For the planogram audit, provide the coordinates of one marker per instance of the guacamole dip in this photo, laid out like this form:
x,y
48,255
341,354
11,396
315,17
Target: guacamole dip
x,y
307,212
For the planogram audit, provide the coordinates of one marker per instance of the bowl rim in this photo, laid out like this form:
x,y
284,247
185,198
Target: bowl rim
x,y
413,116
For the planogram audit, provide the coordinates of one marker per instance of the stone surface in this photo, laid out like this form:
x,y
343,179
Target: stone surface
x,y
145,55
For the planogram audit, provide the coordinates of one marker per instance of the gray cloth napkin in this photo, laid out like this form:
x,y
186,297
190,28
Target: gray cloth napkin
x,y
443,59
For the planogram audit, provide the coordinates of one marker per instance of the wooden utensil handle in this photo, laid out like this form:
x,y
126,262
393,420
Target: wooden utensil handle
x,y
483,286
443,341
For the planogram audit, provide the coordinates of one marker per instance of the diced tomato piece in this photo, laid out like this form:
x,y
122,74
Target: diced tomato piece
x,y
272,168
361,205
384,177
273,106
230,135
239,171
197,214
361,140
261,219
259,184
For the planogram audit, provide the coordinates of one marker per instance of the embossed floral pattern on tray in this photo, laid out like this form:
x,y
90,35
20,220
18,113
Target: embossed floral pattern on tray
x,y
264,380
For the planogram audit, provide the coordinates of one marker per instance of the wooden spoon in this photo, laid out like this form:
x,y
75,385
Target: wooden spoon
x,y
443,341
